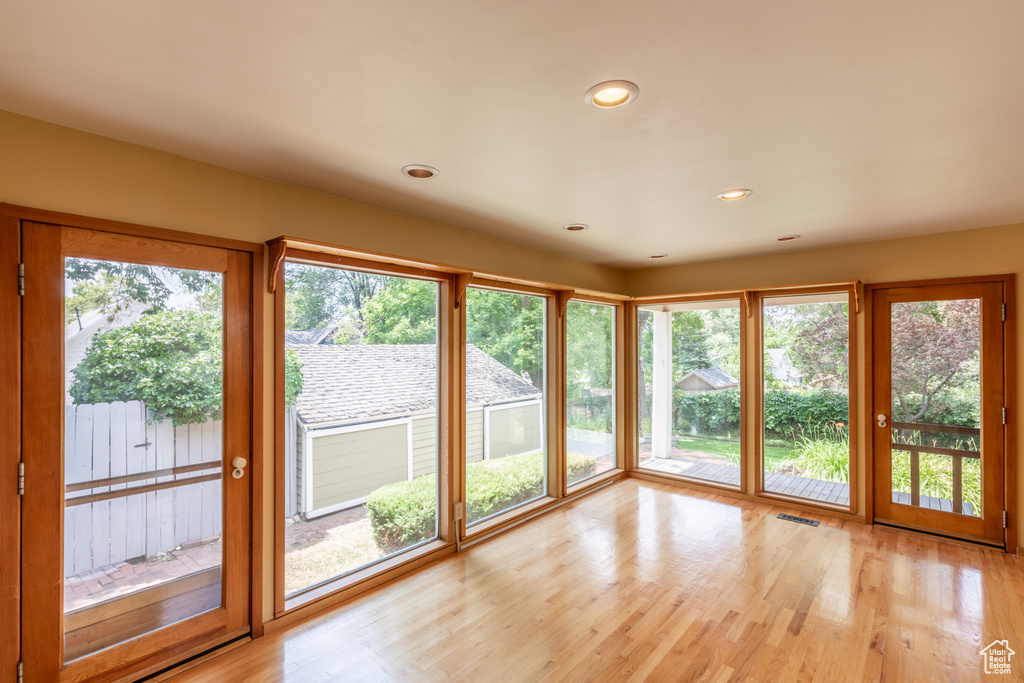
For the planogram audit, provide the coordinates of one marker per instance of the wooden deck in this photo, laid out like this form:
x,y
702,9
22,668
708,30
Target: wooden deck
x,y
694,469
932,503
786,484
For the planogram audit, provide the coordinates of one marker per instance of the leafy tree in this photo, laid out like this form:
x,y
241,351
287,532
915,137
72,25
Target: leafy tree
x,y
102,291
935,346
588,347
170,360
293,379
509,328
935,350
402,312
112,285
821,343
318,296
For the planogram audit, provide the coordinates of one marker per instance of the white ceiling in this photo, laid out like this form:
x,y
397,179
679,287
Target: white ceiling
x,y
850,120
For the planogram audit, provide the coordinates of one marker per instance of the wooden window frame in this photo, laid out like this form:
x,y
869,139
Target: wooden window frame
x,y
362,578
855,312
554,442
743,298
619,363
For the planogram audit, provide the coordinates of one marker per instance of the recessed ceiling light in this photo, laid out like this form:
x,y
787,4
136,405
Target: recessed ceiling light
x,y
657,256
788,238
575,227
611,94
733,195
419,171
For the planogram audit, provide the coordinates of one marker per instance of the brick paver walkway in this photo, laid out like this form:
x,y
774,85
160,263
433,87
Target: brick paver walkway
x,y
122,578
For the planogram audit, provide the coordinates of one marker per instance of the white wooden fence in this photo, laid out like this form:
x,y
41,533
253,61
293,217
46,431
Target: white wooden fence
x,y
108,449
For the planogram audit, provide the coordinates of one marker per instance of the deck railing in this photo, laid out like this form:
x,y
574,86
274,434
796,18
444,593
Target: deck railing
x,y
915,450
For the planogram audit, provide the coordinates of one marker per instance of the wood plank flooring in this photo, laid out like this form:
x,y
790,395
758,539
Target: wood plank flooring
x,y
643,581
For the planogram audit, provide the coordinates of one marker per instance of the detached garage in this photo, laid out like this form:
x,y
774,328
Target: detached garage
x,y
367,417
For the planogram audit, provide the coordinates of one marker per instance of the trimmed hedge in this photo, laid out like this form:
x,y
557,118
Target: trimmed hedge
x,y
403,513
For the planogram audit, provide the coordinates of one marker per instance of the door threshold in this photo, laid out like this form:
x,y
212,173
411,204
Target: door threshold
x,y
974,540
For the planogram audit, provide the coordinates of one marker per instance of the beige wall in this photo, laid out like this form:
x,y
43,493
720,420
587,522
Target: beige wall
x,y
52,167
984,251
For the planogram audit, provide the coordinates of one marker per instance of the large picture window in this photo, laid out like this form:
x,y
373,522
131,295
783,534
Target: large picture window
x,y
689,400
506,379
589,390
805,375
361,419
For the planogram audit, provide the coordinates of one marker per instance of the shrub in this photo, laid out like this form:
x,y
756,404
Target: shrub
x,y
402,514
823,455
170,360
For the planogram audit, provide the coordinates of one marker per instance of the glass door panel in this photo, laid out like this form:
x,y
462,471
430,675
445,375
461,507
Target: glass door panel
x,y
143,449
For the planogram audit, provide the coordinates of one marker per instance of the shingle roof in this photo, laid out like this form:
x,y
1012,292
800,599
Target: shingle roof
x,y
716,377
348,382
311,336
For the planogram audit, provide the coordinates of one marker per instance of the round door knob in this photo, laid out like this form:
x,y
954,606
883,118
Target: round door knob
x,y
881,420
238,463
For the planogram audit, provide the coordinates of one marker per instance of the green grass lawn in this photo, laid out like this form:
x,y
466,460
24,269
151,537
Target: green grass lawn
x,y
773,454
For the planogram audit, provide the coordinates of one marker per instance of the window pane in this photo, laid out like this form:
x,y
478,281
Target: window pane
x,y
143,449
506,454
806,397
589,390
690,370
361,429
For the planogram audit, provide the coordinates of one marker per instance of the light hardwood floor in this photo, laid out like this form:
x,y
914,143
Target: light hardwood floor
x,y
644,581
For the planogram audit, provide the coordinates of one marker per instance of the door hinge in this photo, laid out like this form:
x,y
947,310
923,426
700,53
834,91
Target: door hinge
x,y
1004,313
1006,521
1004,414
21,479
21,279
21,672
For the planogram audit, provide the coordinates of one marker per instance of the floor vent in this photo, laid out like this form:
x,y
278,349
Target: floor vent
x,y
799,520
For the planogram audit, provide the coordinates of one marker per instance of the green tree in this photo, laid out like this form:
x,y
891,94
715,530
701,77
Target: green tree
x,y
317,296
402,312
102,291
508,327
170,360
111,285
588,347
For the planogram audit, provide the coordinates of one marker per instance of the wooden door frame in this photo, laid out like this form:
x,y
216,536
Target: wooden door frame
x,y
246,255
1010,464
10,450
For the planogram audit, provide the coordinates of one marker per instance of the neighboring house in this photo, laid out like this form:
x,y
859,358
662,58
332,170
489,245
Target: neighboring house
x,y
706,379
782,367
367,417
80,332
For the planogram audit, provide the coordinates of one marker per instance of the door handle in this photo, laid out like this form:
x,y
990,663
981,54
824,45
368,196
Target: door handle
x,y
239,464
881,420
